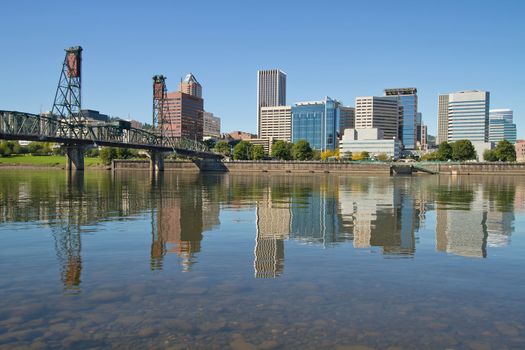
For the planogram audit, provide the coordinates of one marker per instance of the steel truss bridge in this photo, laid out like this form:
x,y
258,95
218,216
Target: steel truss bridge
x,y
32,127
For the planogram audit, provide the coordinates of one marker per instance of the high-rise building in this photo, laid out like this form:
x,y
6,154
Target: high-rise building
x,y
317,123
191,86
276,123
424,136
408,119
346,119
183,115
419,123
442,118
271,91
468,116
212,125
501,125
378,112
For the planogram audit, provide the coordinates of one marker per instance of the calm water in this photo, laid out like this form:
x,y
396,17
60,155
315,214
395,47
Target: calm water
x,y
261,262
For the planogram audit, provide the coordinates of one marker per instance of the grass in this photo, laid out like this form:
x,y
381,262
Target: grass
x,y
45,161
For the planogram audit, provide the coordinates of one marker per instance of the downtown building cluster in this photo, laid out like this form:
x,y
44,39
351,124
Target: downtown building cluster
x,y
377,124
390,124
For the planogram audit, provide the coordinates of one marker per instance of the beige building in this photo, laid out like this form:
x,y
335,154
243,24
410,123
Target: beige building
x,y
276,122
271,91
442,118
191,86
378,112
266,143
520,150
212,126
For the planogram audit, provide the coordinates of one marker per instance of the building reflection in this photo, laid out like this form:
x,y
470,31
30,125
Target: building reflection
x,y
473,214
272,220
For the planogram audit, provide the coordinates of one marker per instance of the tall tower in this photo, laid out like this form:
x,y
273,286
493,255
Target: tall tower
x,y
191,86
159,103
442,118
408,121
67,104
271,91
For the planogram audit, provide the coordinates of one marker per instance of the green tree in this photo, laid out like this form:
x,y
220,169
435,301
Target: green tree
x,y
316,154
107,154
489,155
282,150
463,150
242,151
429,157
505,151
5,151
361,156
123,153
223,148
210,143
258,152
301,150
444,151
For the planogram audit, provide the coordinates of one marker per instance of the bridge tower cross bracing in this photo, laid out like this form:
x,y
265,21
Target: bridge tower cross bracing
x,y
160,105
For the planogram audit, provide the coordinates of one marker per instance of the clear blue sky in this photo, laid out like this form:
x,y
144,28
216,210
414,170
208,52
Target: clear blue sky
x,y
340,49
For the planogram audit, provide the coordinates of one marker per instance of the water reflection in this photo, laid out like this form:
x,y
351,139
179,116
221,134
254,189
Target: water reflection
x,y
380,214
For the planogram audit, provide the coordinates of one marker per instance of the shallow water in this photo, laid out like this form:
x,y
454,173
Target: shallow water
x,y
218,261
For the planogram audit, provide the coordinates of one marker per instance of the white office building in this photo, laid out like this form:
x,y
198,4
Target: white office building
x,y
369,140
378,112
276,123
468,116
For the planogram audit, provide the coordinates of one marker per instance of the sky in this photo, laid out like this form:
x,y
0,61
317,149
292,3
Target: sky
x,y
341,49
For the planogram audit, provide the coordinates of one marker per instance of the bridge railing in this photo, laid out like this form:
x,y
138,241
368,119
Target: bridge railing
x,y
26,125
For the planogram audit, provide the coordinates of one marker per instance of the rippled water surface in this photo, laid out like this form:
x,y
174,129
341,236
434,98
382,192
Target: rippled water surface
x,y
176,261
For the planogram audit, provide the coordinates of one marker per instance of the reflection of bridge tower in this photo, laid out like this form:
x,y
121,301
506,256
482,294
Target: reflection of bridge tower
x,y
272,227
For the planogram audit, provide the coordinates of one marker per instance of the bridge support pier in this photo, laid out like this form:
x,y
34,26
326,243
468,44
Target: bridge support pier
x,y
75,157
156,161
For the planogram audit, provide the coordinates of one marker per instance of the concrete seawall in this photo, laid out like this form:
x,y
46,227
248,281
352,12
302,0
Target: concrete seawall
x,y
259,166
328,167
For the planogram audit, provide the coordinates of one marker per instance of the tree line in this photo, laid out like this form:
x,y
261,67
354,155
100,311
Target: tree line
x,y
462,150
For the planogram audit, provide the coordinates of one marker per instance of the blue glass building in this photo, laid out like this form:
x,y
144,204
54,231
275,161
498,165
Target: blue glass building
x,y
316,122
408,119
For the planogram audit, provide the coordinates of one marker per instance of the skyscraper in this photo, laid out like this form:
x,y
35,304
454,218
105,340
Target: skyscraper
x,y
276,123
468,116
408,119
211,126
501,125
346,119
271,91
316,122
442,118
184,116
378,112
191,86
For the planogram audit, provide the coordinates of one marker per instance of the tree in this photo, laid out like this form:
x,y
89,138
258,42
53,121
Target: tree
x,y
301,150
326,154
383,157
282,150
432,156
444,151
242,151
123,153
223,148
361,156
489,155
5,151
210,143
258,152
316,154
463,150
107,154
505,151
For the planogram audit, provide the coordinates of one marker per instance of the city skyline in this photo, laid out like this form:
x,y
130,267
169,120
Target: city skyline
x,y
239,54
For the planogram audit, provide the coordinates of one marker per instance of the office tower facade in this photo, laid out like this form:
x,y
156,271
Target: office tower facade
x,y
419,123
408,119
520,150
211,126
468,116
378,112
316,122
189,85
276,123
442,118
424,136
346,119
271,91
501,125
184,116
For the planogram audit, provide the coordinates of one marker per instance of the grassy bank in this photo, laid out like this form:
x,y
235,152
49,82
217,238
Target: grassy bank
x,y
45,161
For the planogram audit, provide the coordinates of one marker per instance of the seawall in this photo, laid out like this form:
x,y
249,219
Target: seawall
x,y
486,168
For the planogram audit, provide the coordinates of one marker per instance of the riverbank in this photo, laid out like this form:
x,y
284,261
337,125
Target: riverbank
x,y
29,161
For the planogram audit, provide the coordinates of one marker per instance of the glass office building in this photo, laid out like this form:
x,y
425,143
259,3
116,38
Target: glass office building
x,y
408,118
316,122
501,125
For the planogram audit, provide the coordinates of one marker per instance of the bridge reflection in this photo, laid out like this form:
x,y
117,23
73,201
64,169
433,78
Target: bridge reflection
x,y
381,214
